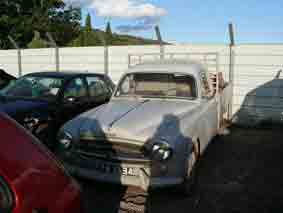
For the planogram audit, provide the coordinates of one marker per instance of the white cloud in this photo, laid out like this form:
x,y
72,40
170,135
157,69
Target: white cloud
x,y
121,8
141,24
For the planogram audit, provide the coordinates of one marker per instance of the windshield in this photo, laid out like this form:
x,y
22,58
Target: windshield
x,y
158,85
34,87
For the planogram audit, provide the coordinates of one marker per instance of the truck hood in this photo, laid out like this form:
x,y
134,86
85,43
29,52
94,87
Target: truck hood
x,y
13,106
138,120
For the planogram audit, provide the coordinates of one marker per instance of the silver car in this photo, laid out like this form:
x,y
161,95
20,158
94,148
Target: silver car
x,y
151,134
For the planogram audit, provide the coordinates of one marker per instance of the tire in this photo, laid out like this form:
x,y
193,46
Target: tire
x,y
188,187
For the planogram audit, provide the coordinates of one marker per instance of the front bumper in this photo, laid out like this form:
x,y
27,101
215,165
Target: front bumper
x,y
142,178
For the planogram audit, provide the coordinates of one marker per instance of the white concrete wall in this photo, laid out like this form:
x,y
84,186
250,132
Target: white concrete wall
x,y
118,60
89,59
9,61
257,96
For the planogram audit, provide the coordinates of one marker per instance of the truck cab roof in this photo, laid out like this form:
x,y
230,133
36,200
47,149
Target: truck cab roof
x,y
169,66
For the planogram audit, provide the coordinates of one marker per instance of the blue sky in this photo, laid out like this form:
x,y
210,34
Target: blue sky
x,y
255,21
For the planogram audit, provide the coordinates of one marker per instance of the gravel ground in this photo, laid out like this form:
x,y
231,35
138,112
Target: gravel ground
x,y
241,172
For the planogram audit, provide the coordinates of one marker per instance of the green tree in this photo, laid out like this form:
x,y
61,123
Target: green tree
x,y
20,18
109,35
89,38
65,26
37,42
8,10
88,26
77,42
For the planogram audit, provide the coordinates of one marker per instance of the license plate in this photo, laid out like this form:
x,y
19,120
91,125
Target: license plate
x,y
115,169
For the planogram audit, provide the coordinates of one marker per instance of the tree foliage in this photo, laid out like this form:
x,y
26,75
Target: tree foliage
x,y
87,36
37,41
109,35
88,26
21,18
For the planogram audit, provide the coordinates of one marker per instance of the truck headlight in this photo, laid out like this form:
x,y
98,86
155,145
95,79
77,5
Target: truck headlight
x,y
65,139
162,151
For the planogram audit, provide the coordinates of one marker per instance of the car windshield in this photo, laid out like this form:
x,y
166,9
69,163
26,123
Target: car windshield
x,y
157,85
34,87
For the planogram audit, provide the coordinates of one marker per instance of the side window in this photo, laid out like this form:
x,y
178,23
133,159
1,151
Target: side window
x,y
75,88
96,86
104,87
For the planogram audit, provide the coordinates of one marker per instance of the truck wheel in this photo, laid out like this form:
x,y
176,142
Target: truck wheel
x,y
190,181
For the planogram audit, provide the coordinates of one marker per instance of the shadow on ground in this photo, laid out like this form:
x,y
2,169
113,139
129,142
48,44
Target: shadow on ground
x,y
241,172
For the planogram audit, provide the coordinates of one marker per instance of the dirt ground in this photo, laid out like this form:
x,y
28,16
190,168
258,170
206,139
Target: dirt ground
x,y
241,172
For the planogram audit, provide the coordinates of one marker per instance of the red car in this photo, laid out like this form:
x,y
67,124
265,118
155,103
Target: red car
x,y
31,179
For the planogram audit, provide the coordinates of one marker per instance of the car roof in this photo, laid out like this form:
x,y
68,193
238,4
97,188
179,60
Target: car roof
x,y
6,75
169,66
63,74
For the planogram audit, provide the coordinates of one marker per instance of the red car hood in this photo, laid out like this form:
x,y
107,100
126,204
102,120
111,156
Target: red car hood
x,y
30,169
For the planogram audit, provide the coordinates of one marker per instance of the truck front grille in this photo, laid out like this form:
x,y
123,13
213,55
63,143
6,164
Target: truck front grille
x,y
110,149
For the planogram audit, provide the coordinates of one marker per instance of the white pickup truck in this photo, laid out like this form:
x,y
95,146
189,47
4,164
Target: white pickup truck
x,y
161,117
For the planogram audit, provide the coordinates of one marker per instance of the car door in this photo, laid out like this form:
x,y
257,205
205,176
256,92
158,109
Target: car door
x,y
209,116
75,98
99,93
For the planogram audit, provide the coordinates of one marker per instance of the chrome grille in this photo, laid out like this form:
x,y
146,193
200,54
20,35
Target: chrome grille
x,y
110,149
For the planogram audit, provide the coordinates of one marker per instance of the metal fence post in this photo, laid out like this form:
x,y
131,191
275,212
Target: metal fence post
x,y
231,68
57,56
106,53
19,55
129,61
57,53
106,60
159,37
